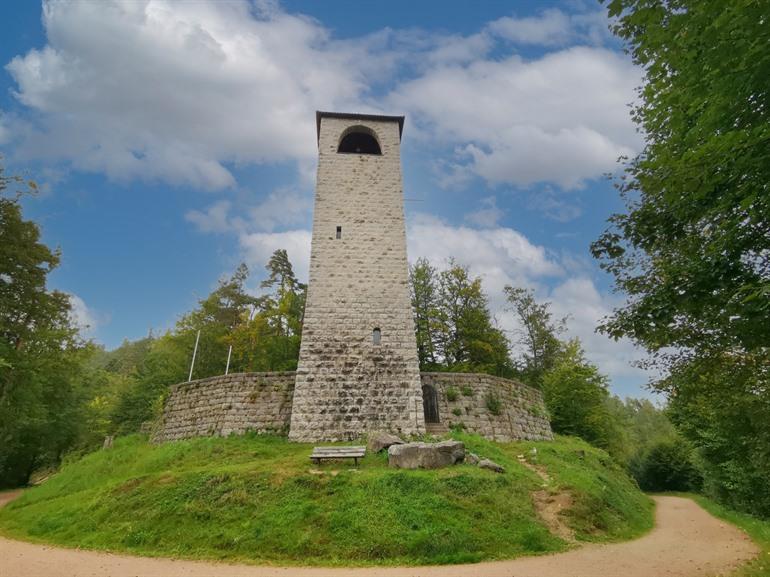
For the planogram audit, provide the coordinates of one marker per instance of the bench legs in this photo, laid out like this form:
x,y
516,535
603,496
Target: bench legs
x,y
317,460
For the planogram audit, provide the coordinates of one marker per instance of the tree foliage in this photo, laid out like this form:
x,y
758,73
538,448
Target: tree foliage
x,y
40,354
264,332
538,335
668,466
577,398
455,330
692,250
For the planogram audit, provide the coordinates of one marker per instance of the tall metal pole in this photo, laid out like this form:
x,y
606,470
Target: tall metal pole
x,y
229,352
195,351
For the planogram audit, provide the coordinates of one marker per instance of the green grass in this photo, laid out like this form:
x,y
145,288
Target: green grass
x,y
757,529
253,499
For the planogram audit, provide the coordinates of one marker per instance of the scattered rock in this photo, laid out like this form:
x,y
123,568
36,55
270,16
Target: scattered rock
x,y
108,442
491,465
426,455
379,441
472,459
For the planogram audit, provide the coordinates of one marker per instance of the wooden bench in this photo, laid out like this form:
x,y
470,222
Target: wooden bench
x,y
354,453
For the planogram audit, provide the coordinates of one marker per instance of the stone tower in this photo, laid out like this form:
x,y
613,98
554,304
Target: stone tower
x,y
358,368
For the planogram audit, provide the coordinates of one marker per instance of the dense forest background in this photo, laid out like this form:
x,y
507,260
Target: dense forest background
x,y
691,252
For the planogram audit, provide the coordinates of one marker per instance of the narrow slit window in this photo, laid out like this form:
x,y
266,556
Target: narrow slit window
x,y
376,336
339,232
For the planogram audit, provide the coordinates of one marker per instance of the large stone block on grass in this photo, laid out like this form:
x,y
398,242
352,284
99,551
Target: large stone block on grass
x,y
379,441
426,455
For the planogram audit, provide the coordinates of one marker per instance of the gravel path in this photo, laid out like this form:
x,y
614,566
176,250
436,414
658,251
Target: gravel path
x,y
686,542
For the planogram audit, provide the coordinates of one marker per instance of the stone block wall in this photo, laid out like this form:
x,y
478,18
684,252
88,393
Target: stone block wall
x,y
348,384
521,412
218,406
262,402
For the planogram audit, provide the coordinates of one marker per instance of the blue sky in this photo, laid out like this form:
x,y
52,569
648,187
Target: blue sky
x,y
173,140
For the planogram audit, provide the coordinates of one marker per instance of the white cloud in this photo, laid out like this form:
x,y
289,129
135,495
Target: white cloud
x,y
257,248
578,299
5,131
283,207
553,207
214,219
550,28
488,215
561,118
553,27
183,92
84,318
255,228
176,91
502,256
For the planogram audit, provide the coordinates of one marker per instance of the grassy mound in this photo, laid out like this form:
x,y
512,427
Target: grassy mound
x,y
258,499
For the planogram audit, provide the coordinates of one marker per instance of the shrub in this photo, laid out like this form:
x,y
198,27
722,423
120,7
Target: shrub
x,y
668,465
451,394
467,391
457,412
493,403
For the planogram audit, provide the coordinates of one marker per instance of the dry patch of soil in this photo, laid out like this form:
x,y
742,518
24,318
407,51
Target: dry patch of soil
x,y
686,542
550,504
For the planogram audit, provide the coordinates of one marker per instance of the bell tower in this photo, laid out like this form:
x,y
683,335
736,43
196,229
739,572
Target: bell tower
x,y
358,369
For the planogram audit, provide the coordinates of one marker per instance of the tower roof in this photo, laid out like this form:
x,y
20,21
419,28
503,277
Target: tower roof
x,y
354,116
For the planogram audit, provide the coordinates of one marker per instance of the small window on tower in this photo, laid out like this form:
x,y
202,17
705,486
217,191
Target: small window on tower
x,y
376,336
339,232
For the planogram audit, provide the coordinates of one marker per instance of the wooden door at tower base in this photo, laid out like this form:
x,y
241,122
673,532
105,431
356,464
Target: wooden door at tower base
x,y
430,404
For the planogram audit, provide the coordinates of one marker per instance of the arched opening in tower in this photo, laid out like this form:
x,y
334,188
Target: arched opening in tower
x,y
359,142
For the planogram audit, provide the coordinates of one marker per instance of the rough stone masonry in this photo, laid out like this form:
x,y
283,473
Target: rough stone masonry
x,y
358,369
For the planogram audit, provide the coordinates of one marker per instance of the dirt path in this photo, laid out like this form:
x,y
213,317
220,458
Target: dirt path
x,y
686,542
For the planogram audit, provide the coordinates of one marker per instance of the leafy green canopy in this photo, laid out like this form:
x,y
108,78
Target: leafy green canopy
x,y
692,252
264,332
538,335
455,330
40,354
693,249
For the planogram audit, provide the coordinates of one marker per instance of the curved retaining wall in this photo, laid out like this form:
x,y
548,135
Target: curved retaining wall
x,y
499,409
496,408
219,406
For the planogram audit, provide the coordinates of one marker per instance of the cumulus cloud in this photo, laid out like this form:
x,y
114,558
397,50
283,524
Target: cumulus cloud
x,y
560,118
184,92
503,256
5,131
553,27
488,215
500,255
177,91
255,227
215,218
84,318
257,247
578,299
281,208
552,206
550,28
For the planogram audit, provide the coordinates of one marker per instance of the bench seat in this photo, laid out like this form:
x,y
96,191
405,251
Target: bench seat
x,y
320,453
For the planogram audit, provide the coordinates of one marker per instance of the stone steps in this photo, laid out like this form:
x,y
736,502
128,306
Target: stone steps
x,y
436,428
